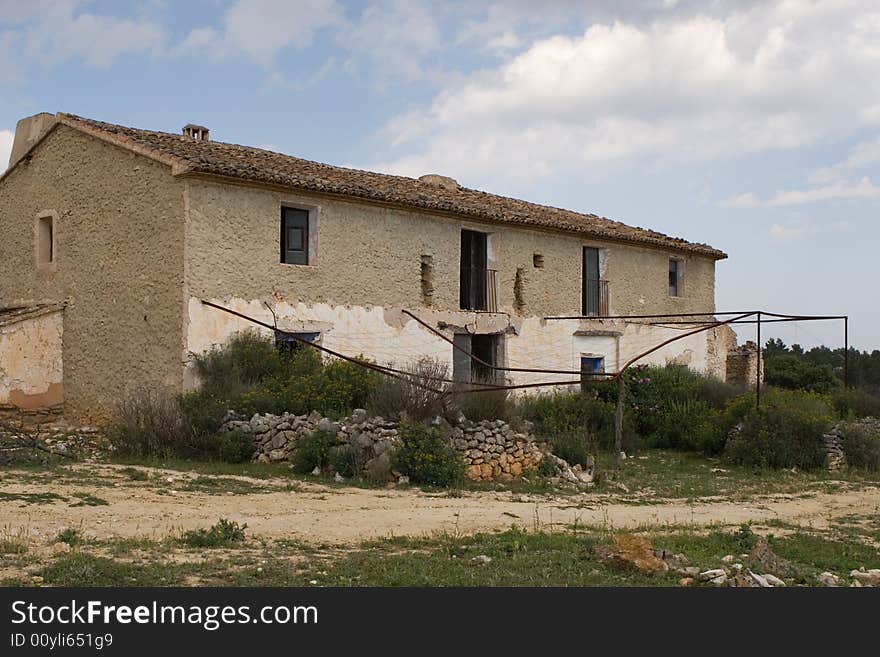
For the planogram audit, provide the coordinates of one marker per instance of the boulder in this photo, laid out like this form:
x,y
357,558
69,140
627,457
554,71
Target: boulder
x,y
633,553
866,577
763,558
716,576
828,579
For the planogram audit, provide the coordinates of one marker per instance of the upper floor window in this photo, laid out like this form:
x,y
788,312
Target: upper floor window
x,y
675,275
46,239
294,236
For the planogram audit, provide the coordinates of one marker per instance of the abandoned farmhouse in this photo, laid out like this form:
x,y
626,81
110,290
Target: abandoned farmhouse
x,y
113,236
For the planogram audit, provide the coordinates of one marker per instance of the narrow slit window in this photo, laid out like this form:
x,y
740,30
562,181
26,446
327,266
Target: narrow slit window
x,y
674,277
45,241
294,236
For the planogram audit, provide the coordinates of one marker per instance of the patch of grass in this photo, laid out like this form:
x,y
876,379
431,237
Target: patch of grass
x,y
222,486
70,536
517,559
82,569
13,545
684,475
87,499
225,534
816,553
135,474
253,470
31,498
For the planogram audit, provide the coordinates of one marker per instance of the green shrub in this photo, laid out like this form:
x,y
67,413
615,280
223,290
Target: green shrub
x,y
332,387
70,536
560,417
675,407
855,403
861,448
153,424
236,446
689,425
224,534
786,432
343,459
489,405
312,451
242,363
573,446
793,373
419,395
426,456
546,467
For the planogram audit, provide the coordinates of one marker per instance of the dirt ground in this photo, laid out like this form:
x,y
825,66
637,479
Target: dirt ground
x,y
159,505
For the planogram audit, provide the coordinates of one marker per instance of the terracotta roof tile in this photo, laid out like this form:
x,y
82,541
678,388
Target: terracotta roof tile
x,y
255,164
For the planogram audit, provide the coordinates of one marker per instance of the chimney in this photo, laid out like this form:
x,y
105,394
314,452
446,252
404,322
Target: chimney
x,y
28,132
197,132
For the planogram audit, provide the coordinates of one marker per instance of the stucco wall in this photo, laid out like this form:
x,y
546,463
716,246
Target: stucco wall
x,y
31,368
365,267
371,255
118,265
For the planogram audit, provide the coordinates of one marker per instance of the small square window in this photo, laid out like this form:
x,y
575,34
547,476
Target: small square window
x,y
538,261
590,367
294,236
287,343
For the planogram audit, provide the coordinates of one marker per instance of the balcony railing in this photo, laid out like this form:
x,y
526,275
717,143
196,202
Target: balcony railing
x,y
479,289
595,301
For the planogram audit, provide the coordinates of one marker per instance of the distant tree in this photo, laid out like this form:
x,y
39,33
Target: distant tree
x,y
792,372
793,367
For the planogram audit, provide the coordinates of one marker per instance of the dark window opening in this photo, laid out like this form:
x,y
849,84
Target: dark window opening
x,y
287,344
427,279
591,305
294,236
590,367
474,283
538,261
45,241
674,275
475,356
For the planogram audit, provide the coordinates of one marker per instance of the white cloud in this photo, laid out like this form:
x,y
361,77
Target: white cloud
x,y
747,200
60,34
776,76
860,156
394,36
841,190
864,189
263,28
786,233
6,137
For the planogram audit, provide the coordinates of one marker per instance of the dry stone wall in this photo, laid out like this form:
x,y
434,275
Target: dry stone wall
x,y
490,449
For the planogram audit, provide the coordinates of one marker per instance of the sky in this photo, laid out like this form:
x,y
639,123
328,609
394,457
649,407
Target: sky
x,y
751,126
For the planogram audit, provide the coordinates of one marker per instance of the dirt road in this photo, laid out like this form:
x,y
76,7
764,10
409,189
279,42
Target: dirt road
x,y
161,505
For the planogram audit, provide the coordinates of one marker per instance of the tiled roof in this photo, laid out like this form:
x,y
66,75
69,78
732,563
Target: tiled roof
x,y
255,164
14,314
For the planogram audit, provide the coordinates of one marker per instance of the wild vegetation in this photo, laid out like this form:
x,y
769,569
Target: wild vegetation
x,y
668,407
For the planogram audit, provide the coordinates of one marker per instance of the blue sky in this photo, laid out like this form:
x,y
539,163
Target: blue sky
x,y
753,126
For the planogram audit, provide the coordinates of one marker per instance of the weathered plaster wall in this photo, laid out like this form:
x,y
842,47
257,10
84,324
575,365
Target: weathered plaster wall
x,y
119,264
31,370
371,255
366,266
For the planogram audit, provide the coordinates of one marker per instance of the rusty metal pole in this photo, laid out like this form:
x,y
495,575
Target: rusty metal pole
x,y
618,421
846,352
758,368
